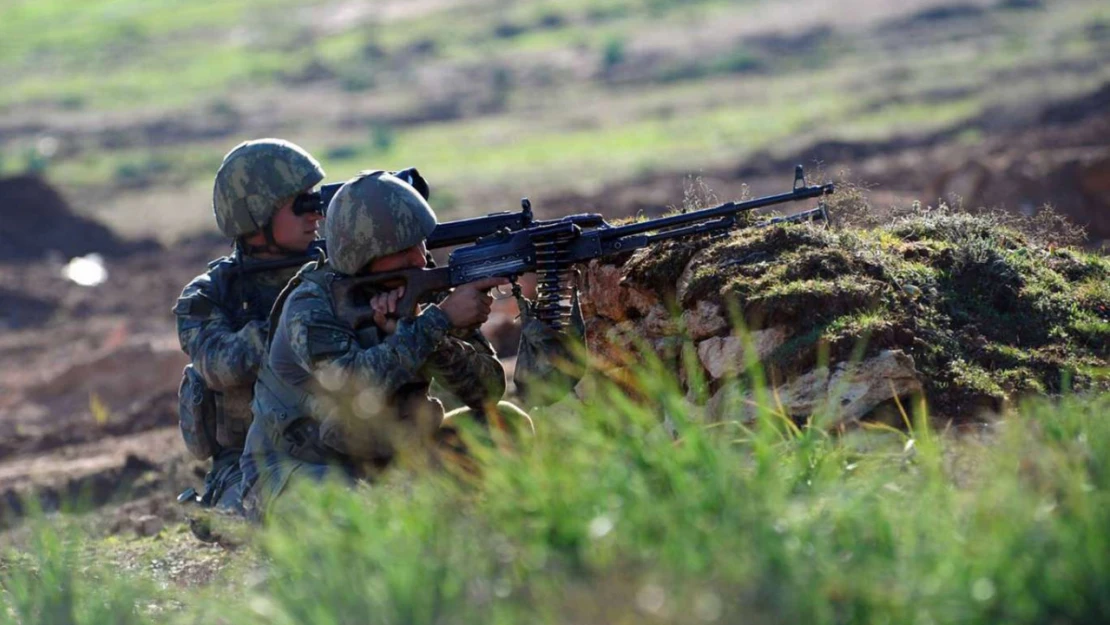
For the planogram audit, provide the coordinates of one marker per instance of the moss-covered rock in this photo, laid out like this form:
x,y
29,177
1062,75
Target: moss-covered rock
x,y
986,311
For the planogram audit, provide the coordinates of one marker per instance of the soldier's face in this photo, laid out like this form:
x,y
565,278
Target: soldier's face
x,y
294,231
412,258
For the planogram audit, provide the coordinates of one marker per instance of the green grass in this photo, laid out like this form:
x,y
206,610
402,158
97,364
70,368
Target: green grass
x,y
605,518
538,122
484,152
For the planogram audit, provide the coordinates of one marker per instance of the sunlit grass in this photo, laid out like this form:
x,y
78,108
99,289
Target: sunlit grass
x,y
606,517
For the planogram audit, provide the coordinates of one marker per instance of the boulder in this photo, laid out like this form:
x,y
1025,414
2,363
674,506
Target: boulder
x,y
609,295
724,355
659,322
857,389
704,321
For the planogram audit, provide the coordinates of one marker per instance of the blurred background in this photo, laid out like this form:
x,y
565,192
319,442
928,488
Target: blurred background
x,y
127,106
114,115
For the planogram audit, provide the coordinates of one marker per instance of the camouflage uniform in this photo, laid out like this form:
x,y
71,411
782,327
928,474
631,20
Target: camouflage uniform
x,y
333,401
223,314
222,319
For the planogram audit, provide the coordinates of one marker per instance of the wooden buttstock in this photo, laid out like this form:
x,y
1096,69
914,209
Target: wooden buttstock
x,y
352,297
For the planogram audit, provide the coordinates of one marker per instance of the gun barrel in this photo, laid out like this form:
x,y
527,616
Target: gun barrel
x,y
727,209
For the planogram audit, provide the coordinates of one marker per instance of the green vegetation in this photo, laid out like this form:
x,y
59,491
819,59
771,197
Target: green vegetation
x,y
605,518
988,305
540,93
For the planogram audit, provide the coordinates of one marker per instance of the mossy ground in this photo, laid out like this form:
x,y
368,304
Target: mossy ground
x,y
989,307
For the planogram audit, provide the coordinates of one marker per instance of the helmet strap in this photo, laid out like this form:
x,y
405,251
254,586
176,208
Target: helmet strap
x,y
271,246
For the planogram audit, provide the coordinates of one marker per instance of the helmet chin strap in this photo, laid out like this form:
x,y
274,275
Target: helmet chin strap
x,y
271,246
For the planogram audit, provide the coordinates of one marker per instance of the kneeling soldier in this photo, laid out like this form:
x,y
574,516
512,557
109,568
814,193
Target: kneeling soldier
x,y
335,400
222,315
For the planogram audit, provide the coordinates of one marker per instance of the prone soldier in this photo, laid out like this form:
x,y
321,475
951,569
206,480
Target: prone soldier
x,y
333,400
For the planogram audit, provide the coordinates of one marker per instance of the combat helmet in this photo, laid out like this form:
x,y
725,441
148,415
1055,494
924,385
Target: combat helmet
x,y
254,177
372,215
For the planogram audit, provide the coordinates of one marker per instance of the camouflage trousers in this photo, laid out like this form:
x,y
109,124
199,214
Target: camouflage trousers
x,y
280,473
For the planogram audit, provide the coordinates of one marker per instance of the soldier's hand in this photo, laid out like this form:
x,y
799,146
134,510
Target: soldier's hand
x,y
385,309
468,306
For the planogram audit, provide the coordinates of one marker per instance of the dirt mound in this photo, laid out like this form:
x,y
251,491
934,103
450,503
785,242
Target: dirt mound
x,y
967,308
36,220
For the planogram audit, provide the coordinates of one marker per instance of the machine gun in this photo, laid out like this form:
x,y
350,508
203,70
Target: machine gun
x,y
551,248
446,234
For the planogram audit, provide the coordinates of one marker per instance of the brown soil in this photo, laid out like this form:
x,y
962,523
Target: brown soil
x,y
88,375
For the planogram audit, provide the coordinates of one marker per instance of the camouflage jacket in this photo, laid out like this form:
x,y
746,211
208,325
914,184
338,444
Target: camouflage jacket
x,y
330,395
222,318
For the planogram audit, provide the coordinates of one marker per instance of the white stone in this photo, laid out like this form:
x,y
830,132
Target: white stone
x,y
857,390
704,321
724,355
659,323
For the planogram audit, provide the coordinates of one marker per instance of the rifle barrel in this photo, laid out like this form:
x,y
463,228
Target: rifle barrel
x,y
724,210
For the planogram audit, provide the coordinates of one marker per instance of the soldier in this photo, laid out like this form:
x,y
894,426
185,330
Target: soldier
x,y
334,400
222,315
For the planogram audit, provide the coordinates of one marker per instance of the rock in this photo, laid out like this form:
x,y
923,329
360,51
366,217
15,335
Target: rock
x,y
724,355
148,525
862,387
587,387
858,389
610,343
729,404
669,350
704,321
601,297
636,298
608,295
597,334
659,323
805,393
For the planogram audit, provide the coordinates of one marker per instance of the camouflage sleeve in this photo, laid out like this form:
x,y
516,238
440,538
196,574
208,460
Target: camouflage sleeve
x,y
469,369
320,340
226,358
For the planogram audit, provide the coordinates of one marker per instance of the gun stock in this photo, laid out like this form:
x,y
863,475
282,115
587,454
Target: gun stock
x,y
352,294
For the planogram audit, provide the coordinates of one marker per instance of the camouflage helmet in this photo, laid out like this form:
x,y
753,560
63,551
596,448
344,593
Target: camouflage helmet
x,y
373,215
254,178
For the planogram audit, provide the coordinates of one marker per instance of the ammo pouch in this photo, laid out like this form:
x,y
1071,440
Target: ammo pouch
x,y
233,417
197,414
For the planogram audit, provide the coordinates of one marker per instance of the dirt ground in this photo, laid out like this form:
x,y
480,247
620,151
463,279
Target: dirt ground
x,y
88,375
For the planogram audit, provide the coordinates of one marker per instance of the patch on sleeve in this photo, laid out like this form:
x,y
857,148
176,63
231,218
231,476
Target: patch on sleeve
x,y
193,305
326,341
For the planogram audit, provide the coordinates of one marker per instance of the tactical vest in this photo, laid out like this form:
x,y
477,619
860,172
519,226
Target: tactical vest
x,y
209,419
287,408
